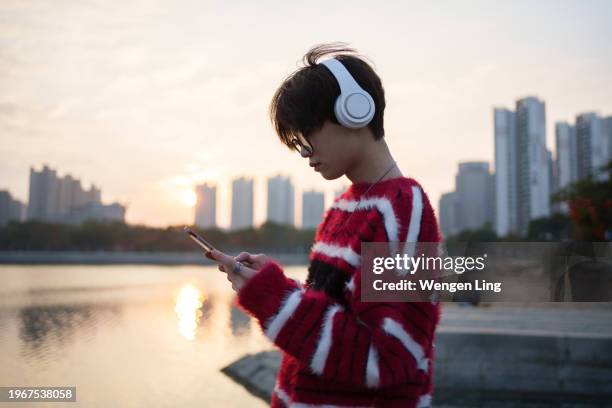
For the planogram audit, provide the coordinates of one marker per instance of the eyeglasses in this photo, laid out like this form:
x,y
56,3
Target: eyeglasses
x,y
300,143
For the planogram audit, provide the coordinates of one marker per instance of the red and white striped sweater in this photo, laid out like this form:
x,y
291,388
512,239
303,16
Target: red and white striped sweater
x,y
337,350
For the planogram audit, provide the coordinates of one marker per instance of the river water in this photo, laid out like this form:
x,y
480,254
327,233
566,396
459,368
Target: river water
x,y
127,335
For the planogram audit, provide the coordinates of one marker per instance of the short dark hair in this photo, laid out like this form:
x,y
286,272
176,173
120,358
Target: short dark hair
x,y
305,99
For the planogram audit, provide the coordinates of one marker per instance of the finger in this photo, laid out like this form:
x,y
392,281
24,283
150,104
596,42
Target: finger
x,y
234,274
246,272
246,259
243,256
261,258
237,280
237,283
221,257
221,268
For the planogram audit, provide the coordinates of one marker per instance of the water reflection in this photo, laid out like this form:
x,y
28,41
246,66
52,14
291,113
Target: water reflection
x,y
239,321
79,325
40,325
188,309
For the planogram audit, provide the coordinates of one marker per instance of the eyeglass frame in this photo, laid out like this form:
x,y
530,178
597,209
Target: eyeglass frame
x,y
298,145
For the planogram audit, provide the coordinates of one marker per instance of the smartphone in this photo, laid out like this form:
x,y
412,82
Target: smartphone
x,y
199,240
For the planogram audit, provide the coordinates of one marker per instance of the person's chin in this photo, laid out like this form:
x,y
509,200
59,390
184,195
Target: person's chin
x,y
331,176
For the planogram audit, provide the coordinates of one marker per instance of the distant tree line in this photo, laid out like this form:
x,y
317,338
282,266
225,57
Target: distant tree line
x,y
589,219
117,236
557,227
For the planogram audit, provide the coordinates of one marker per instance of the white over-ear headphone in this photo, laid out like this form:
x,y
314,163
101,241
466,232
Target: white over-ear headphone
x,y
354,107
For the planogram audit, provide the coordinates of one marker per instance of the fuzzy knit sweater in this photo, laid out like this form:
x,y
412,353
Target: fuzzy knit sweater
x,y
337,350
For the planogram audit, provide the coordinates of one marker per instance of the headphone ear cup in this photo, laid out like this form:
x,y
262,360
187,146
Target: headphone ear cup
x,y
340,113
345,118
372,109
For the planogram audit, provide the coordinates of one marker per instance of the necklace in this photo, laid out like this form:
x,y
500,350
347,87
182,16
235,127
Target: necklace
x,y
316,270
367,191
381,177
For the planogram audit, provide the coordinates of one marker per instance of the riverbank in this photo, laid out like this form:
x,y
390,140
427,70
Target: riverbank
x,y
118,258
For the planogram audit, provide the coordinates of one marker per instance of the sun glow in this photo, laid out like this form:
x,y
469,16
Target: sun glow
x,y
189,198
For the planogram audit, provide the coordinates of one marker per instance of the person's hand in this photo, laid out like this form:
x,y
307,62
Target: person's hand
x,y
255,261
237,272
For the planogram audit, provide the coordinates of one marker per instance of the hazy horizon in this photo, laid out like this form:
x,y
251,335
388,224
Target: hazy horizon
x,y
147,99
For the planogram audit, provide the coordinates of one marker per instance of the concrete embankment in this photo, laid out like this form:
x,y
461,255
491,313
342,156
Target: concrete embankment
x,y
501,356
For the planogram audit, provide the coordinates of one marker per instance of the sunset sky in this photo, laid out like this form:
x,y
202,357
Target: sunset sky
x,y
148,98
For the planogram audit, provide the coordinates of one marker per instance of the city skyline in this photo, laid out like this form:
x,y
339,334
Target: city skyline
x,y
565,149
281,203
148,106
579,150
524,174
54,198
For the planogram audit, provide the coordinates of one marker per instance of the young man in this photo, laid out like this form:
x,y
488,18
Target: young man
x,y
338,350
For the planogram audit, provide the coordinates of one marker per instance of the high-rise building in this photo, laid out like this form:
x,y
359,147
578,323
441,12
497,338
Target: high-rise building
x,y
56,199
566,163
313,206
505,171
43,195
93,195
281,201
448,214
71,195
10,208
474,196
206,206
533,171
242,203
97,212
67,189
608,127
592,144
552,183
472,204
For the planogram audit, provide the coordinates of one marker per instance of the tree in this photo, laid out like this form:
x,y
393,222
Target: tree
x,y
590,203
483,234
553,228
